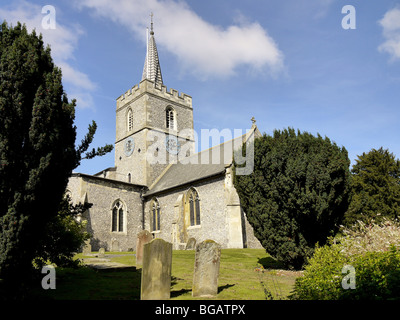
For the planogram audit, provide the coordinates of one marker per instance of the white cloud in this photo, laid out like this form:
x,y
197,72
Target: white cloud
x,y
325,6
63,41
76,78
391,31
202,48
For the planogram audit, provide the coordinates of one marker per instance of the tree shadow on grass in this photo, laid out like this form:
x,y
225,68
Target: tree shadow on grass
x,y
221,288
270,263
177,293
86,283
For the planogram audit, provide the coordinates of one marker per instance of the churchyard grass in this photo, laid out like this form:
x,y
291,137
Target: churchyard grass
x,y
88,284
244,274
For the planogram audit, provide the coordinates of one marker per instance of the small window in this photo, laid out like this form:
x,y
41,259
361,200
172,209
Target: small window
x,y
129,177
170,118
194,207
155,215
130,120
118,217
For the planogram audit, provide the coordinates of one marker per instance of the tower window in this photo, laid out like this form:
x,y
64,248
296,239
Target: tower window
x,y
170,118
130,120
118,217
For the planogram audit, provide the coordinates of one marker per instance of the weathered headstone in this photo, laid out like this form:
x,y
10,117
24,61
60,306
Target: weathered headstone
x,y
191,244
156,271
101,252
114,245
87,248
206,269
143,237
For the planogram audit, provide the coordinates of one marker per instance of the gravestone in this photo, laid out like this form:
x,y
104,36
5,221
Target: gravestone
x,y
143,237
87,248
114,245
206,269
191,244
156,270
101,252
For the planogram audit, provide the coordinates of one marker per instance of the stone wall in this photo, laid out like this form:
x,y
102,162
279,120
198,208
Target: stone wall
x,y
148,105
135,164
175,229
250,240
215,214
103,193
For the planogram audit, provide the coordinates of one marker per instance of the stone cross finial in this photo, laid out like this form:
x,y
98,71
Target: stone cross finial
x,y
151,25
253,120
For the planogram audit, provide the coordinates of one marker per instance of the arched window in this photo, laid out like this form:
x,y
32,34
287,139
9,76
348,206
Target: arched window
x,y
170,118
155,215
129,177
68,195
194,207
129,120
118,217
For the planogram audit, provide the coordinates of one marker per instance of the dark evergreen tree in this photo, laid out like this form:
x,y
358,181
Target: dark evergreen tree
x,y
297,194
37,148
66,232
375,187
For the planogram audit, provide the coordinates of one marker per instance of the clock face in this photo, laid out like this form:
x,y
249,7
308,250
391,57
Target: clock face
x,y
129,146
172,144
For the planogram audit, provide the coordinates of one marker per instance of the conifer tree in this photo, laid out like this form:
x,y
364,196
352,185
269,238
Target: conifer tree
x,y
37,148
297,194
375,188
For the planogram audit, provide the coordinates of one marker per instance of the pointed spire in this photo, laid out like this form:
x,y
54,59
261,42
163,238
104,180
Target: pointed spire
x,y
152,69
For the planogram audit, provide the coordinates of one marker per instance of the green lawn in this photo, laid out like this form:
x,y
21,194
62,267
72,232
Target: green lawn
x,y
244,274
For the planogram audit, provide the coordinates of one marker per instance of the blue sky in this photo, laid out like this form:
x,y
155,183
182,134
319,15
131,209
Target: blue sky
x,y
287,63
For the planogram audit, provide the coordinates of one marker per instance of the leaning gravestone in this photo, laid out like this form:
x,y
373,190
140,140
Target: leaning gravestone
x,y
191,244
156,271
143,237
206,269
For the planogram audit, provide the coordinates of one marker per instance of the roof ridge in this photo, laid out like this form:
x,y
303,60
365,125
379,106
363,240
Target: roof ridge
x,y
160,176
245,135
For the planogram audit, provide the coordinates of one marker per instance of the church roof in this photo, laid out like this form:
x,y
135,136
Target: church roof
x,y
112,181
152,69
205,164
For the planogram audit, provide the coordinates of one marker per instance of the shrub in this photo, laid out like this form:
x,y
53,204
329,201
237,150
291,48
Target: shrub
x,y
66,236
375,258
322,275
374,237
377,276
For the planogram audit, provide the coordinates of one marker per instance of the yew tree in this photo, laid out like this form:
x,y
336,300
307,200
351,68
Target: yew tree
x,y
375,188
296,195
37,148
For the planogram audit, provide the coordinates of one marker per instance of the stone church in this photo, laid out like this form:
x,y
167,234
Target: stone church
x,y
158,182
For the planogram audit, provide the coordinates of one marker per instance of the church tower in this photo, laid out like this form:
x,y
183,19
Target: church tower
x,y
154,126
